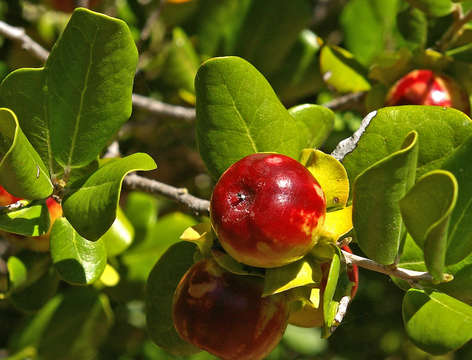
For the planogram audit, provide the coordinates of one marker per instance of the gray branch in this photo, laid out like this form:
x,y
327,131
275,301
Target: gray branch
x,y
401,273
162,109
182,196
20,204
19,35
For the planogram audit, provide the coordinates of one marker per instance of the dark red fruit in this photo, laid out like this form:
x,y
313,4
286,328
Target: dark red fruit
x,y
226,315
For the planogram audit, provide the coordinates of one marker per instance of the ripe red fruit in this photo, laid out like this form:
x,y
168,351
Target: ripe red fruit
x,y
226,315
424,87
266,210
6,198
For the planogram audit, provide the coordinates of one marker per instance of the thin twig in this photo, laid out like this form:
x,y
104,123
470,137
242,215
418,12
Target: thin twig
x,y
137,182
455,29
162,109
345,101
156,107
385,269
19,35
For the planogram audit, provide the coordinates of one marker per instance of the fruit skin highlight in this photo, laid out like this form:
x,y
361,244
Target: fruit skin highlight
x,y
424,87
226,315
267,209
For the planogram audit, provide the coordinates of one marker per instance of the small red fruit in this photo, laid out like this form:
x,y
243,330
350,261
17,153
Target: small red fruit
x,y
226,315
6,198
424,87
266,210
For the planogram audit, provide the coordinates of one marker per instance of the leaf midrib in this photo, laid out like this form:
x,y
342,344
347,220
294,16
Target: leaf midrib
x,y
81,103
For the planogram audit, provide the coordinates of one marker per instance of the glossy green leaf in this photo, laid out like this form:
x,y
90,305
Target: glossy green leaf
x,y
330,307
436,322
426,210
140,258
299,273
436,8
440,132
22,172
376,193
299,76
32,220
460,228
217,25
25,268
160,289
368,27
89,82
23,92
315,123
55,334
233,266
119,236
181,62
33,296
239,114
266,37
141,210
98,196
413,26
77,260
341,70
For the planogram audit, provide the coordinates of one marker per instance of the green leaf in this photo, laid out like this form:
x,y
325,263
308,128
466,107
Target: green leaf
x,y
77,260
201,235
23,92
230,264
160,289
369,27
218,24
266,37
435,8
426,210
440,132
460,228
33,296
141,210
376,194
299,273
330,307
181,63
98,196
119,236
435,322
342,71
32,220
22,172
89,82
413,26
315,123
56,334
239,114
140,259
25,268
298,76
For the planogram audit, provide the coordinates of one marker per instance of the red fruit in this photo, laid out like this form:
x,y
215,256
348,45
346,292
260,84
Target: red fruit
x,y
226,315
266,210
6,198
353,273
424,87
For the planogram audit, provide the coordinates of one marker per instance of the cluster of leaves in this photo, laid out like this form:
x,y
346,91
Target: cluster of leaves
x,y
407,166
